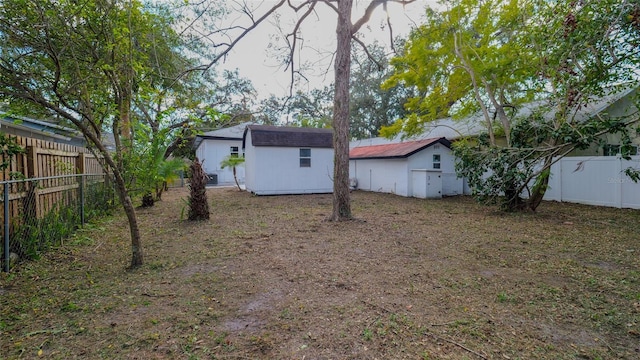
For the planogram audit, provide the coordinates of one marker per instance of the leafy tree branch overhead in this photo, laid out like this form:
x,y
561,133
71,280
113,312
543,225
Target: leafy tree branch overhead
x,y
493,59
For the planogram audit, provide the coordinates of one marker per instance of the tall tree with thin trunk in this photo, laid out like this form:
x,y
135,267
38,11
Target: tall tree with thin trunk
x,y
342,69
81,62
345,32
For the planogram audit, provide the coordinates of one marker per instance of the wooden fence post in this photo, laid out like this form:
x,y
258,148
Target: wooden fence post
x,y
80,163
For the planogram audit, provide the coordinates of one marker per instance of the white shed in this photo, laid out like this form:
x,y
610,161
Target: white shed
x,y
422,168
288,160
213,146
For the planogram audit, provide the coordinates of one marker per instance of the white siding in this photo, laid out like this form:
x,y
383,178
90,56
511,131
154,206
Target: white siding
x,y
451,184
276,170
212,151
381,175
394,175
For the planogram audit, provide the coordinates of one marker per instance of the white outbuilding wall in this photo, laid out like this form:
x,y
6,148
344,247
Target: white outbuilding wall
x,y
381,175
451,184
214,146
277,170
397,175
212,151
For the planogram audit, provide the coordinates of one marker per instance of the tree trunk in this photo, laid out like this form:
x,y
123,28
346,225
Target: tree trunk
x,y
541,185
198,204
341,196
513,201
127,204
148,200
235,178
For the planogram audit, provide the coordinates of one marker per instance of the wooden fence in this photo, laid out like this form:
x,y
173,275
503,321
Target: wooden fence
x,y
45,159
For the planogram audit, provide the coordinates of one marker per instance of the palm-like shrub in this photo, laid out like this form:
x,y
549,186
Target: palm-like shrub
x,y
233,161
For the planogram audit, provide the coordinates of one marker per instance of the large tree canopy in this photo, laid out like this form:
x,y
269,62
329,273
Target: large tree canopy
x,y
372,106
470,57
493,58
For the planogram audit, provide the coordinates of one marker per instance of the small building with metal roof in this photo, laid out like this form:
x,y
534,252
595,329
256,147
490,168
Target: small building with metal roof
x,y
421,168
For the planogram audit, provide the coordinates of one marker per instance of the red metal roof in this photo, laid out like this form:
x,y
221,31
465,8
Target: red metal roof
x,y
395,150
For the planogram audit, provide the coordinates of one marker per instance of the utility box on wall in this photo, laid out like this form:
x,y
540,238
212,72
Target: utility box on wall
x,y
212,179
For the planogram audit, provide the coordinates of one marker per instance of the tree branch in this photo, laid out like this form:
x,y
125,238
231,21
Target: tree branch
x,y
372,6
231,45
366,51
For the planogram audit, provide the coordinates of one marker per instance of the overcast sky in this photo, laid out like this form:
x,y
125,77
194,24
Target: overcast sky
x,y
257,55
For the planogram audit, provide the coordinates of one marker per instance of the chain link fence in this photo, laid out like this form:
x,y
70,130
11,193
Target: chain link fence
x,y
40,213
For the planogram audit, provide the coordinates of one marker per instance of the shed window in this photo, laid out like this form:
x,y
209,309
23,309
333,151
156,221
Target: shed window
x,y
612,150
234,151
436,161
305,157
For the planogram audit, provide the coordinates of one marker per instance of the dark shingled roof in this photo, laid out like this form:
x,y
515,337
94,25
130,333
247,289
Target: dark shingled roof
x,y
266,135
395,150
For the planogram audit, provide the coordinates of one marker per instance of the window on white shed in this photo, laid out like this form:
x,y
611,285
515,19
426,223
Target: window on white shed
x,y
613,150
436,161
305,157
234,151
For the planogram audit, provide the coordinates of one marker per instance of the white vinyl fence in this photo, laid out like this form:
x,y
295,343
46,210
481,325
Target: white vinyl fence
x,y
598,180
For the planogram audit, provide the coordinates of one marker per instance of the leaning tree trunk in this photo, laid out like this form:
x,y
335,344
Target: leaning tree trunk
x,y
341,196
235,178
541,185
137,258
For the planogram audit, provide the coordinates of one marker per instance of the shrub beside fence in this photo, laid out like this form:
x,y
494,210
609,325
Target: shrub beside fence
x,y
31,230
47,192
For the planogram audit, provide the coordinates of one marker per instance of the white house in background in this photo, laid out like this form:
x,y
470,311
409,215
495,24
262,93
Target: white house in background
x,y
213,146
421,168
288,160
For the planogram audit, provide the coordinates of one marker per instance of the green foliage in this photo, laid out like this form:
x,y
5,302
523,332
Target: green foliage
x,y
99,198
493,58
32,236
10,148
148,168
468,57
371,106
232,161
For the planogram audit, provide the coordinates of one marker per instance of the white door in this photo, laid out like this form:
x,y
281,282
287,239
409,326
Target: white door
x,y
434,185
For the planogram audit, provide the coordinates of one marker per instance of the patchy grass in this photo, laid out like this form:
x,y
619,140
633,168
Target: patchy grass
x,y
268,277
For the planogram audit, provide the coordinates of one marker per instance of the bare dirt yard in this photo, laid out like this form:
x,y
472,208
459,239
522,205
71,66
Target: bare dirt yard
x,y
270,278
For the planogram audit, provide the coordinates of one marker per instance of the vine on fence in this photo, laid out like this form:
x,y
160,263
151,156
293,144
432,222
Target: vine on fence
x,y
10,148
